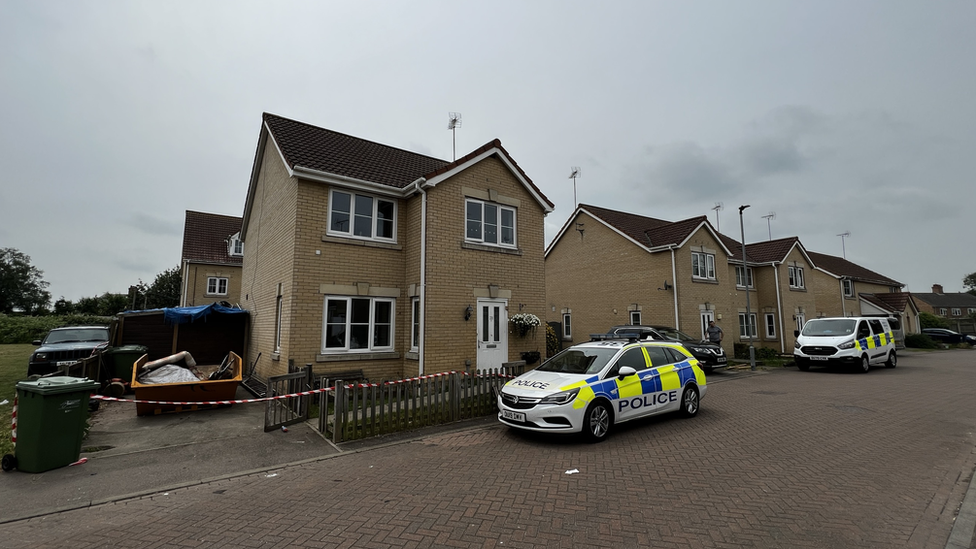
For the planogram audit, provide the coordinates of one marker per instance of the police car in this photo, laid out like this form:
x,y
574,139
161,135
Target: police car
x,y
590,387
860,342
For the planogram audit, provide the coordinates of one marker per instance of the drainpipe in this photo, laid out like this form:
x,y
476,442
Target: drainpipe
x,y
186,281
843,302
674,286
418,185
779,307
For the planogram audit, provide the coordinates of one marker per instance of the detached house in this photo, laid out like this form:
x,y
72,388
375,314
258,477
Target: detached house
x,y
362,256
210,267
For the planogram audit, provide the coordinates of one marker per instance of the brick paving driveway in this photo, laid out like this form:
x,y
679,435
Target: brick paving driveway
x,y
783,458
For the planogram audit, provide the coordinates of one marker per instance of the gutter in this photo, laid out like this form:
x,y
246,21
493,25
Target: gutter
x,y
779,307
674,287
418,184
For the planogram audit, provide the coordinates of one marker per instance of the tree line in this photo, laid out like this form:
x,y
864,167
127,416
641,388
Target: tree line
x,y
23,290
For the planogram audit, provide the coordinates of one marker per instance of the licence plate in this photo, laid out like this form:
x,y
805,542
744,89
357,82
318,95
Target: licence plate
x,y
514,416
66,362
720,359
818,358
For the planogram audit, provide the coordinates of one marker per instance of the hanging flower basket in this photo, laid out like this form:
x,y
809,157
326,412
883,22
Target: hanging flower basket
x,y
523,323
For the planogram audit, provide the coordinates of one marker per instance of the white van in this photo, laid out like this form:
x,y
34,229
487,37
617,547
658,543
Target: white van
x,y
861,342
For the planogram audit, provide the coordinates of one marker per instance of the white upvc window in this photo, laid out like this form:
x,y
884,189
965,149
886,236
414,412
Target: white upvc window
x,y
703,265
972,310
744,329
848,287
567,326
635,318
743,277
235,247
489,223
956,311
942,311
796,277
216,285
415,324
357,324
770,325
362,216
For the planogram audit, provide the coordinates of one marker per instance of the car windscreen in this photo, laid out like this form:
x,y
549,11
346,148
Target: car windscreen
x,y
84,334
671,333
579,361
834,327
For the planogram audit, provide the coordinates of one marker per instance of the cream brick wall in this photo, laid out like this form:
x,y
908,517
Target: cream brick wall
x,y
196,283
269,246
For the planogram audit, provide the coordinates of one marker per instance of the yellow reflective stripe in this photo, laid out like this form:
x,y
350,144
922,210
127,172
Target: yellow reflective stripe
x,y
699,373
627,388
583,398
579,383
669,378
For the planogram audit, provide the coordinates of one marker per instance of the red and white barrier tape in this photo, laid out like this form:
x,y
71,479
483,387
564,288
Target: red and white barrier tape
x,y
264,399
13,427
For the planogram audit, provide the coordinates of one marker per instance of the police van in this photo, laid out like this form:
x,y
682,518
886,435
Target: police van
x,y
860,342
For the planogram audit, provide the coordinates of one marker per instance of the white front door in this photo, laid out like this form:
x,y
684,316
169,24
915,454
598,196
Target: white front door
x,y
706,317
492,333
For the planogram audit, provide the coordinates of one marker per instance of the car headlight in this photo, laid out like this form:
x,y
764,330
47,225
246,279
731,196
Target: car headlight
x,y
39,357
561,398
846,345
700,350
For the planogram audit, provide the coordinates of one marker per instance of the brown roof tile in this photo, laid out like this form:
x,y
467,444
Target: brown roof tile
x,y
647,231
842,267
340,154
205,237
949,300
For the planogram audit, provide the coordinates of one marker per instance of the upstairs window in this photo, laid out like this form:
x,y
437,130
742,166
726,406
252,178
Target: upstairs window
x,y
743,277
848,287
235,247
361,216
796,277
488,223
703,266
216,285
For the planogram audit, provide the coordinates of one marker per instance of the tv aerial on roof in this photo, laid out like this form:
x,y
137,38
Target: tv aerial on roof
x,y
767,217
575,173
843,247
718,222
453,123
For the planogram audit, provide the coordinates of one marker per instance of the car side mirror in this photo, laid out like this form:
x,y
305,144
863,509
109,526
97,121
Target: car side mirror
x,y
796,333
626,371
37,342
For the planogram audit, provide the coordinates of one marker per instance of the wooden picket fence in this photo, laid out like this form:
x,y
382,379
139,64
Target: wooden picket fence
x,y
362,410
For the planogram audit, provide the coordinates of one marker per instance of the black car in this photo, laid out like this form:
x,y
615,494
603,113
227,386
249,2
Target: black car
x,y
62,346
948,336
710,356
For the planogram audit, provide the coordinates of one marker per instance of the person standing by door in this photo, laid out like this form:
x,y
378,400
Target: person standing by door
x,y
714,333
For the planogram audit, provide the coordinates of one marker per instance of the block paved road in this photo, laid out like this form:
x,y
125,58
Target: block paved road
x,y
783,458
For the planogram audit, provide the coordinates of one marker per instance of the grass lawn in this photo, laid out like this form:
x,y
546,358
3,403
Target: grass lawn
x,y
13,368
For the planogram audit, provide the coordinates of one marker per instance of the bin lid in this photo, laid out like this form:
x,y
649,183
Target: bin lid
x,y
58,384
141,349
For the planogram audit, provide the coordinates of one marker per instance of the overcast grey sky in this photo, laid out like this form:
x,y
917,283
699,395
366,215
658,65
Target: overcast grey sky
x,y
117,116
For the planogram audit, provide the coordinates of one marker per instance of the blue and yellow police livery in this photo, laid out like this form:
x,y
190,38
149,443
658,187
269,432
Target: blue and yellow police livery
x,y
860,342
587,388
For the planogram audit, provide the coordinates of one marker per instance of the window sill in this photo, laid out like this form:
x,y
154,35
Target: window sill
x,y
705,280
486,248
792,289
751,288
412,355
345,357
365,243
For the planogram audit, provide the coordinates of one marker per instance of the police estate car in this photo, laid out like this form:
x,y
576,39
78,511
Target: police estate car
x,y
860,342
590,387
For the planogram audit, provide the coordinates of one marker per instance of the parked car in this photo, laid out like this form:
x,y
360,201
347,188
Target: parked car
x,y
709,355
590,387
859,342
948,336
63,346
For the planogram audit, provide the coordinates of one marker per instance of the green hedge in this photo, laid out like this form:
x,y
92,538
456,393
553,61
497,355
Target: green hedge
x,y
741,352
920,341
26,329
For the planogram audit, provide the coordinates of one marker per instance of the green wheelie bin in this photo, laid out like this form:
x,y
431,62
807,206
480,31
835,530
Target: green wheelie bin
x,y
52,414
122,359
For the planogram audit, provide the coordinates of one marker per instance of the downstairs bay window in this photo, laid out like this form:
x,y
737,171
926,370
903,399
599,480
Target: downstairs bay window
x,y
357,324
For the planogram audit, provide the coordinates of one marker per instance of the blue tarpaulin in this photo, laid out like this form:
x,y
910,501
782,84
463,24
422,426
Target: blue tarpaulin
x,y
183,315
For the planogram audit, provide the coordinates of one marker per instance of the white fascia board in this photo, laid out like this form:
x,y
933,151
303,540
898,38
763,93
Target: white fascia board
x,y
433,181
348,182
825,271
708,228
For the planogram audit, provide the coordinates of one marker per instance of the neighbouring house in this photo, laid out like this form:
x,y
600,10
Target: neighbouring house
x,y
361,257
607,268
951,306
211,261
852,290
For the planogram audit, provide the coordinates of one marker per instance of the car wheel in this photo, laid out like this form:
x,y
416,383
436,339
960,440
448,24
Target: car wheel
x,y
597,422
690,401
892,360
803,365
865,365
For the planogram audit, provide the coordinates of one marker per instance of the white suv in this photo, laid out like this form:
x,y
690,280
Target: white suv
x,y
861,342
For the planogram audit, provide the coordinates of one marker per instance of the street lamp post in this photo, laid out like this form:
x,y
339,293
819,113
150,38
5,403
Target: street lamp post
x,y
745,273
